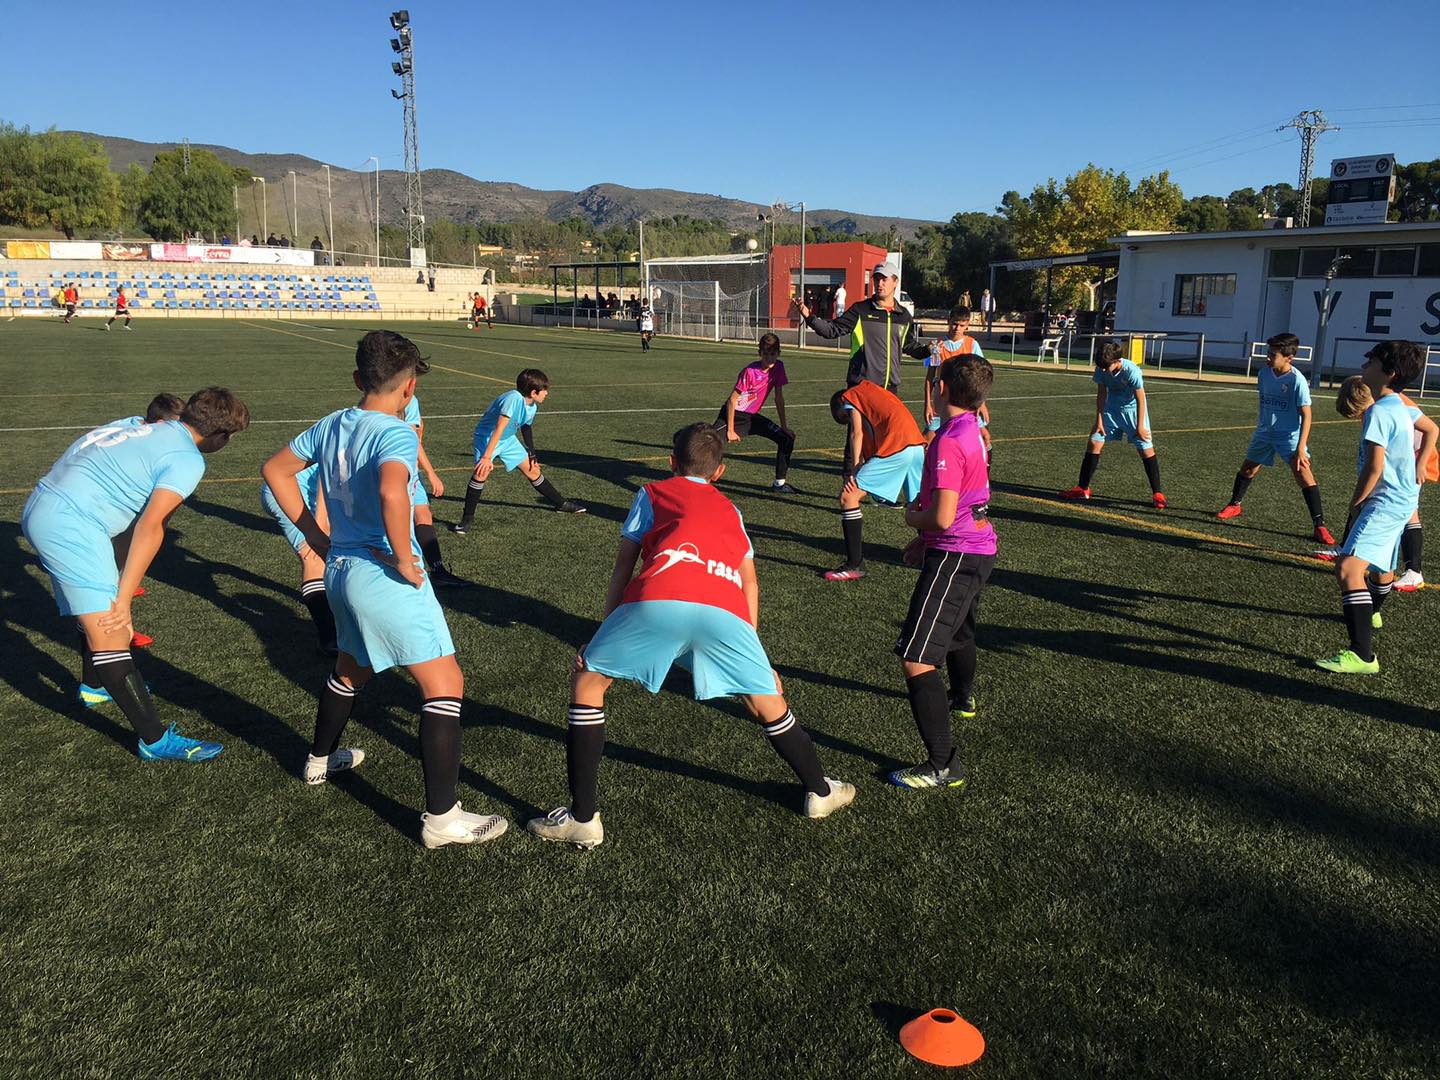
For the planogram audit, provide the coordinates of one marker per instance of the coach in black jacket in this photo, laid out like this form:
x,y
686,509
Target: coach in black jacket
x,y
880,330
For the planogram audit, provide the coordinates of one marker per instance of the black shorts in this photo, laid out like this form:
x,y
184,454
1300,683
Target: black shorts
x,y
942,607
69,309
747,423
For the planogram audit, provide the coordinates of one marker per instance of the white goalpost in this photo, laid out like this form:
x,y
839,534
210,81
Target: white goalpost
x,y
708,296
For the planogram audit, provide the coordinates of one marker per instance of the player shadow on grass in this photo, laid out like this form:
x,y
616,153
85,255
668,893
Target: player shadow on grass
x,y
234,515
32,672
1148,653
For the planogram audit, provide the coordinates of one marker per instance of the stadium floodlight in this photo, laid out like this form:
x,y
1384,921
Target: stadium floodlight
x,y
399,19
397,69
396,94
395,44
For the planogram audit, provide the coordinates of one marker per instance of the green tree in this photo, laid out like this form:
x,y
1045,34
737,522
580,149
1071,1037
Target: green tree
x,y
57,180
1084,214
180,202
131,189
1417,192
1204,213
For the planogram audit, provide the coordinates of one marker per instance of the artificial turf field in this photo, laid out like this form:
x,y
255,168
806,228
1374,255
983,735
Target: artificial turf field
x,y
1182,852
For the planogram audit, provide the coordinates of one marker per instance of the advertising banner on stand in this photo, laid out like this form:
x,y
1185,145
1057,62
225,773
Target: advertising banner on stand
x,y
125,252
219,253
27,249
74,249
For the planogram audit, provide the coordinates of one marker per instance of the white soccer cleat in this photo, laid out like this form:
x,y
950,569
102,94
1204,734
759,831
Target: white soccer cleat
x,y
318,770
559,826
1410,581
819,806
459,827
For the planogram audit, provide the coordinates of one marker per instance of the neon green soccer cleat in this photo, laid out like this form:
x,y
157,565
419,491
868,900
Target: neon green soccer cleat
x,y
1348,663
1376,622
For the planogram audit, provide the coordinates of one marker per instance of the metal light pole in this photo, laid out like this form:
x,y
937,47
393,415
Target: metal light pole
x,y
777,208
1317,354
377,209
294,209
264,206
403,44
236,194
330,212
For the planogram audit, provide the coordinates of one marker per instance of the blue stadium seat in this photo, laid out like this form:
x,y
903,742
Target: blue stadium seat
x,y
169,294
31,303
28,292
142,293
113,274
184,303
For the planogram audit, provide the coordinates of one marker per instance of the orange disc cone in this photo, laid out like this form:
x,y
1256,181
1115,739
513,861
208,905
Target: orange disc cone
x,y
943,1037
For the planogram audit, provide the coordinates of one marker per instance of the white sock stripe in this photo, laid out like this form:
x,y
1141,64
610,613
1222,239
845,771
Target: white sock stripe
x,y
339,687
1381,590
477,485
851,515
538,481
109,657
784,724
309,588
442,707
587,723
1355,597
585,711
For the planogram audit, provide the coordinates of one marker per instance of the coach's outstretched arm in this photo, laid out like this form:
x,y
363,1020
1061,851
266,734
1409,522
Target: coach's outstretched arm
x,y
827,328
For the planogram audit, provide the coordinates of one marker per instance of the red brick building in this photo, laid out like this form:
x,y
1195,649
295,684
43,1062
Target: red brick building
x,y
827,266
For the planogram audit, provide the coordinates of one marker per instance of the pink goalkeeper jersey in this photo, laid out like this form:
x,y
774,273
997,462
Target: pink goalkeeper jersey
x,y
755,383
955,461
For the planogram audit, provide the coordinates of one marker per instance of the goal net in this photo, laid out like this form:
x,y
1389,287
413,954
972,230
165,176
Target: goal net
x,y
715,297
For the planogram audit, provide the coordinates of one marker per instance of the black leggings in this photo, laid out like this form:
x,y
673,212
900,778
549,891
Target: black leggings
x,y
747,424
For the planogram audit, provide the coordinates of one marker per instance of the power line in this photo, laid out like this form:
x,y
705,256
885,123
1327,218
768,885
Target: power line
x,y
1202,147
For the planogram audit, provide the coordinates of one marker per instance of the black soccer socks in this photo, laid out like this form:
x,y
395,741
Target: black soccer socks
x,y
1088,465
851,527
1152,471
116,672
546,491
960,666
440,752
331,715
792,742
1242,485
584,745
312,595
473,492
1379,593
784,447
931,706
1312,503
1358,609
429,542
1412,545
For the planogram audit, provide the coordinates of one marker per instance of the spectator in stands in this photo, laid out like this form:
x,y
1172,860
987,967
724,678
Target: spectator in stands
x,y
965,298
420,277
839,301
987,311
431,283
247,241
284,241
316,245
225,240
270,241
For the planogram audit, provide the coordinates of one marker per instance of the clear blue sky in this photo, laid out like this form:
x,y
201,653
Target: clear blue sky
x,y
752,100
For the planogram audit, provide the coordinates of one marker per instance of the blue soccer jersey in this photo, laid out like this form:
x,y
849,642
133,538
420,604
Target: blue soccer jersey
x,y
515,408
1281,399
1387,423
1120,386
350,446
412,412
110,473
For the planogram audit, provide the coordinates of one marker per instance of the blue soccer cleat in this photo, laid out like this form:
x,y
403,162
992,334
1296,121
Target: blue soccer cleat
x,y
90,696
172,746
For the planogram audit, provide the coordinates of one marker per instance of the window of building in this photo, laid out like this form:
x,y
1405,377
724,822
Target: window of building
x,y
1285,262
1396,262
1360,262
1429,262
1315,261
1204,294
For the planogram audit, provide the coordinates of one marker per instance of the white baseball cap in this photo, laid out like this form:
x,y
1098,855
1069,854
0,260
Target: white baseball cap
x,y
888,268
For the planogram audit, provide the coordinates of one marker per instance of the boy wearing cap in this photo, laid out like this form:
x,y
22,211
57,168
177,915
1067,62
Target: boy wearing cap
x,y
881,332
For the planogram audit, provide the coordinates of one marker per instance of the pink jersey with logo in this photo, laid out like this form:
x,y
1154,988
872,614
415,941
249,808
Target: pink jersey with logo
x,y
755,383
955,461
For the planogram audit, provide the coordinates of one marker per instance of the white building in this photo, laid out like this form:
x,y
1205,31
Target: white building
x,y
1240,287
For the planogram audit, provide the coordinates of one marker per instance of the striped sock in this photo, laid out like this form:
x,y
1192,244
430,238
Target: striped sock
x,y
792,742
1412,545
116,671
584,746
312,595
1379,592
851,528
473,491
331,715
547,490
1358,609
440,751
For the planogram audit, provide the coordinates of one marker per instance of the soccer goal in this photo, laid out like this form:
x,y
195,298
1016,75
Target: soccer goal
x,y
707,296
1432,360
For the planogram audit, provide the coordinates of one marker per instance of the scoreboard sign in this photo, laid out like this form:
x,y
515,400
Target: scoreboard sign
x,y
1361,190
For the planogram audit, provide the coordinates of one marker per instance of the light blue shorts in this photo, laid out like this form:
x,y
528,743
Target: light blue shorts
x,y
1122,425
640,640
511,453
895,478
1375,536
74,550
381,619
271,507
418,497
1264,448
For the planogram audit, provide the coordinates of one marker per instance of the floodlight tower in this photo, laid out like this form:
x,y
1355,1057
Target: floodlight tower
x,y
1311,123
404,46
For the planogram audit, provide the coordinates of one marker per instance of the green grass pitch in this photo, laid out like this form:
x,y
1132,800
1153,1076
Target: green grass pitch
x,y
1183,852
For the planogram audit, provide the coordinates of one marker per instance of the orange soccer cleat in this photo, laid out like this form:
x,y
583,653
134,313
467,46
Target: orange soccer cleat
x,y
1075,493
140,641
1225,513
1323,536
1158,501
